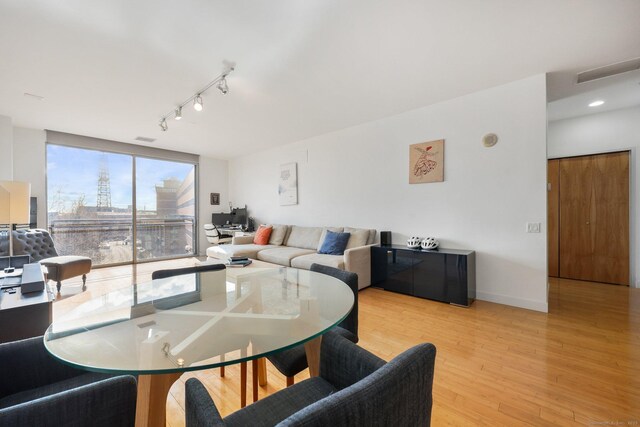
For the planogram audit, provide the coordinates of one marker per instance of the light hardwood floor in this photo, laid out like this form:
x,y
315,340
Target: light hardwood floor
x,y
496,365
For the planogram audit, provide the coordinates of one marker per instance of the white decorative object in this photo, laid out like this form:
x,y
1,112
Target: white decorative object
x,y
288,184
414,242
429,243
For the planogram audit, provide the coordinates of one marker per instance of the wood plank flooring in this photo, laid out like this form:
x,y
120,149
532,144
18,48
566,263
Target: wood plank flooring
x,y
496,365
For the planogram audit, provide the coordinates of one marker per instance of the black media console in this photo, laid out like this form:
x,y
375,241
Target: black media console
x,y
447,275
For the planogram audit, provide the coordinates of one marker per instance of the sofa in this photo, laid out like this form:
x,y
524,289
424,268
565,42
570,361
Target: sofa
x,y
296,246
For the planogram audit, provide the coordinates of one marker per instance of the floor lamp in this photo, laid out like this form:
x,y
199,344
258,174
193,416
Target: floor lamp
x,y
14,206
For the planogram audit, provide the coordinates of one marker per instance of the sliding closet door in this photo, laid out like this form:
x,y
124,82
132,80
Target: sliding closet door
x,y
594,218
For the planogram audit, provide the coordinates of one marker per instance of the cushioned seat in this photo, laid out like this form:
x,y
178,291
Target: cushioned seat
x,y
65,267
39,245
225,251
282,255
305,261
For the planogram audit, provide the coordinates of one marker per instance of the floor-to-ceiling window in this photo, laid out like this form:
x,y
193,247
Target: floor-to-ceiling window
x,y
119,208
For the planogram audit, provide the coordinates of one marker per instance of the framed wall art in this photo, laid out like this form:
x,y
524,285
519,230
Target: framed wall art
x,y
426,162
288,184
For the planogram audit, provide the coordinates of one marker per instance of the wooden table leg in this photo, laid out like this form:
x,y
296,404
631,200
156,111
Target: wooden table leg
x,y
151,404
312,349
262,371
254,378
243,384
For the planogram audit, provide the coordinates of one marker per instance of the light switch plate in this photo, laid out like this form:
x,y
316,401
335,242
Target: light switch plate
x,y
533,227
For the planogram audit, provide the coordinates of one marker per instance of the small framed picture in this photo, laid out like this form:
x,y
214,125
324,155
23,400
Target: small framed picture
x,y
215,198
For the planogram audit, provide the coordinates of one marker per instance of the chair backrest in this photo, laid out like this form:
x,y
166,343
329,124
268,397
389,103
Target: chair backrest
x,y
350,323
161,274
34,242
212,233
398,393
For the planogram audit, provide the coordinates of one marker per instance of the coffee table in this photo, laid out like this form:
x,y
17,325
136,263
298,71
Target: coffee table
x,y
160,329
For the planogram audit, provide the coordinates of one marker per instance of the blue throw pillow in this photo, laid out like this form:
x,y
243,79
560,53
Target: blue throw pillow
x,y
334,243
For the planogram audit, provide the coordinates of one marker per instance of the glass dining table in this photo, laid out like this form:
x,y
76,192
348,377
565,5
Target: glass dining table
x,y
160,329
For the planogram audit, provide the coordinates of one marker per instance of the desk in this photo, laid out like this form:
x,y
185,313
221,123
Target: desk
x,y
160,329
23,315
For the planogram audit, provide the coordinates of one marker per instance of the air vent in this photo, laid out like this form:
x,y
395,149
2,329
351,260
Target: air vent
x,y
609,70
144,139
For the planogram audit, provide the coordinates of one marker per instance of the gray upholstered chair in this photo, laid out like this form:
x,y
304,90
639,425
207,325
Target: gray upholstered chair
x,y
39,245
355,388
294,360
37,390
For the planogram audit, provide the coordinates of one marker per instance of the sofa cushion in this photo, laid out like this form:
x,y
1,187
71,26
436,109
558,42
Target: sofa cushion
x,y
305,261
225,251
262,235
324,234
282,255
279,234
359,237
334,243
304,237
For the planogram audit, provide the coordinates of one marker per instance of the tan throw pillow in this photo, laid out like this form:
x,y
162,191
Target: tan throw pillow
x,y
278,234
359,237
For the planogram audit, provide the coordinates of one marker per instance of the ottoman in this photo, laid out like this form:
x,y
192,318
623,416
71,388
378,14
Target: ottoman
x,y
65,267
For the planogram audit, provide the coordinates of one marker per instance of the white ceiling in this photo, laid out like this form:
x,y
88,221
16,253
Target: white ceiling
x,y
110,69
621,91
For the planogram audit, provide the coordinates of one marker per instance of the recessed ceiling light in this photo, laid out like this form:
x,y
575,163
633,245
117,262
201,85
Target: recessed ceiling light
x,y
31,95
596,103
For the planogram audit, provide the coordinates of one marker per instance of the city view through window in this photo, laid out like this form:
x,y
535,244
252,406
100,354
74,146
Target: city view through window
x,y
90,198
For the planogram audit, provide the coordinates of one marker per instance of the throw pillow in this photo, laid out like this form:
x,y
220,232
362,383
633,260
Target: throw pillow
x,y
262,235
334,243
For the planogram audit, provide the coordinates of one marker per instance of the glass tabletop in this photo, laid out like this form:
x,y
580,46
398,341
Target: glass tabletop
x,y
197,321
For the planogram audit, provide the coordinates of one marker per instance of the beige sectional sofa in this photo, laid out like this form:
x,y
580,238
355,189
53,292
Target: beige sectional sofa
x,y
295,246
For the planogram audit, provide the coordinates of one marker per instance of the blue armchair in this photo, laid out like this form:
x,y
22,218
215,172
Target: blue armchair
x,y
37,390
355,388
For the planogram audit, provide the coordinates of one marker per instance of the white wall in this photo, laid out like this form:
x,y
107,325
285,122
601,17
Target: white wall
x,y
6,148
359,177
214,178
599,133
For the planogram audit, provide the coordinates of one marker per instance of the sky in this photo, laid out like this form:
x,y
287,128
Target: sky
x,y
73,172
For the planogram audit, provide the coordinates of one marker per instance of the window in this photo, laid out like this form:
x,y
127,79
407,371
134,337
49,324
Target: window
x,y
97,209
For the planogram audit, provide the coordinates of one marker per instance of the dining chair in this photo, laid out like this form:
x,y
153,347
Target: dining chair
x,y
37,390
355,388
294,360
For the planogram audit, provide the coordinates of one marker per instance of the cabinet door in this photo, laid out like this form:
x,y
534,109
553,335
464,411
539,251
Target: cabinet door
x,y
456,279
378,266
399,271
429,276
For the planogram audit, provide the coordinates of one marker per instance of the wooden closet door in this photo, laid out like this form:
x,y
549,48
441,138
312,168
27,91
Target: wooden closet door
x,y
594,218
553,216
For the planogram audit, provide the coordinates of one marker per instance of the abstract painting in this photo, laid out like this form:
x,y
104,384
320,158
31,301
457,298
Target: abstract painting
x,y
426,162
288,184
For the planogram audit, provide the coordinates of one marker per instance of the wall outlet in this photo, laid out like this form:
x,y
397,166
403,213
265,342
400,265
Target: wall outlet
x,y
533,227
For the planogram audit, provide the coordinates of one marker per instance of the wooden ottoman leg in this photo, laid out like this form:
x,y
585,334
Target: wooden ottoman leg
x,y
84,282
58,285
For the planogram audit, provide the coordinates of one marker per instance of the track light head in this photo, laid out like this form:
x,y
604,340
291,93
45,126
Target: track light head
x,y
179,113
222,86
163,125
197,103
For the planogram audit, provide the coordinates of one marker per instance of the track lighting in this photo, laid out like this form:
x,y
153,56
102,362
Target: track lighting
x,y
222,86
197,103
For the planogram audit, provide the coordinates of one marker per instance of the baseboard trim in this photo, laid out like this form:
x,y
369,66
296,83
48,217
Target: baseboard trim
x,y
516,302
